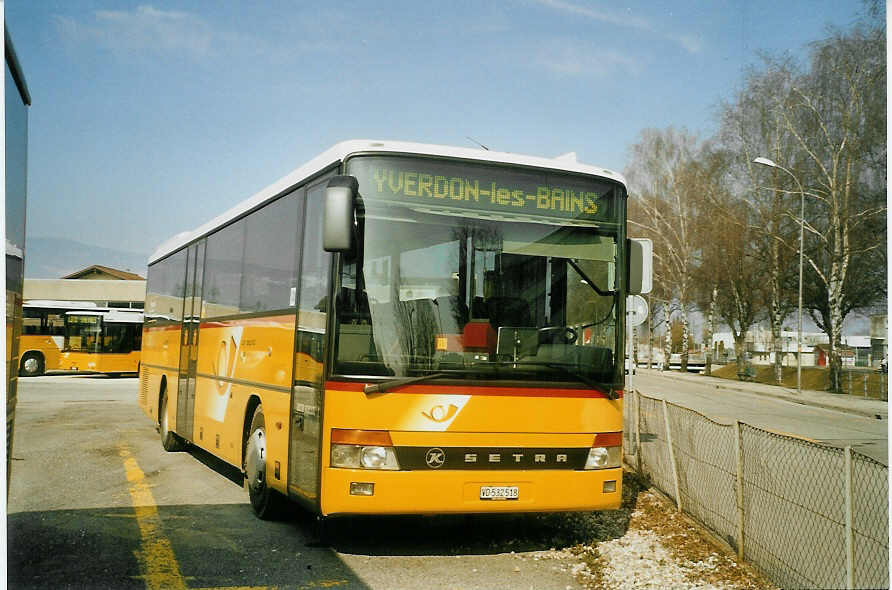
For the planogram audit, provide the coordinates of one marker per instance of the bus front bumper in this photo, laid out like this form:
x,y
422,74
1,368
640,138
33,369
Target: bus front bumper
x,y
460,491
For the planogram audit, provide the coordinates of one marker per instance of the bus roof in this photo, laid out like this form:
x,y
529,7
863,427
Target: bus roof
x,y
113,315
58,304
343,150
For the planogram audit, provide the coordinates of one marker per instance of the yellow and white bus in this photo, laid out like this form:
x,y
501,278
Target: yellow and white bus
x,y
401,328
43,334
102,341
17,100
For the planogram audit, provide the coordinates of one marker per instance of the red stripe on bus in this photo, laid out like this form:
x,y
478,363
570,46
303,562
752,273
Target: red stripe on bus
x,y
479,390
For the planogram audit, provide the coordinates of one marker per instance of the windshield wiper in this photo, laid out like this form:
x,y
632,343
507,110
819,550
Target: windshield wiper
x,y
608,390
387,385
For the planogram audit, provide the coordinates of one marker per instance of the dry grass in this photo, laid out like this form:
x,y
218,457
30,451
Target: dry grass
x,y
687,542
815,378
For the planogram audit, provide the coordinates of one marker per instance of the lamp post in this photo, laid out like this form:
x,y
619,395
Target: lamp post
x,y
772,164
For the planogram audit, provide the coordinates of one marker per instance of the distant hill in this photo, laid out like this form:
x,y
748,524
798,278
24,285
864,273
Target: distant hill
x,y
53,258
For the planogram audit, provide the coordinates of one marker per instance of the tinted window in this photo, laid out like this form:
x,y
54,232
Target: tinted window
x,y
164,290
313,304
269,279
223,270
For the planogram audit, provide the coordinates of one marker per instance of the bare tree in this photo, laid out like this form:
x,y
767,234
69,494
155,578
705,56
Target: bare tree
x,y
837,118
753,125
665,212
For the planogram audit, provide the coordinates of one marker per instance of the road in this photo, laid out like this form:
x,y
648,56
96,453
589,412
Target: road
x,y
96,503
866,435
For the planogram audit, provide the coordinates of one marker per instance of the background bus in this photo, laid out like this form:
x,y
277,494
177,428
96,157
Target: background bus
x,y
102,341
17,100
43,334
451,342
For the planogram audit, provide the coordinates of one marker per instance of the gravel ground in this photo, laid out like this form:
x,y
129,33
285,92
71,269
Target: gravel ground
x,y
648,544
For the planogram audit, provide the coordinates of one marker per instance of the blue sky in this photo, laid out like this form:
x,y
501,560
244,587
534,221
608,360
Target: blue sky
x,y
149,118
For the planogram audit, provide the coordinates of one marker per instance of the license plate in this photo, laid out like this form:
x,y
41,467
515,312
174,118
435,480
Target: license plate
x,y
499,493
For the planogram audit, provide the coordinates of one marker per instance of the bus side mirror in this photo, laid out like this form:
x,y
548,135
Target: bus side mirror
x,y
337,216
641,265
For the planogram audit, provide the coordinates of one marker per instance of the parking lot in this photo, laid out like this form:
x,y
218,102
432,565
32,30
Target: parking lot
x,y
96,503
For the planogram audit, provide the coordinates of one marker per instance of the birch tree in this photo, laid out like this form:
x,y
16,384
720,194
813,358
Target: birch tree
x,y
753,125
657,164
837,119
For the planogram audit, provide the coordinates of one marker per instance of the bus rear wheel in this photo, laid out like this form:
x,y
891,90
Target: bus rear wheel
x,y
266,502
169,439
32,365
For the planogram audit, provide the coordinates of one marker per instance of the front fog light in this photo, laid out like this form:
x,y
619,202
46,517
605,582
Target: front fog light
x,y
378,458
603,457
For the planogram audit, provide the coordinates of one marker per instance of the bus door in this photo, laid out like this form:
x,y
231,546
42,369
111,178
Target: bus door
x,y
189,340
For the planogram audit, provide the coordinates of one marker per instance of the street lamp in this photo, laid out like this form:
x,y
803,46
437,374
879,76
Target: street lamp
x,y
772,164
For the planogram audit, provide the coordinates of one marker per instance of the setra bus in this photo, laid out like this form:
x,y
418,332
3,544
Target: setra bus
x,y
43,334
102,341
16,100
401,328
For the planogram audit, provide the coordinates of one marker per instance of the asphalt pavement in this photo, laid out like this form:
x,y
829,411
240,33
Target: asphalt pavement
x,y
849,404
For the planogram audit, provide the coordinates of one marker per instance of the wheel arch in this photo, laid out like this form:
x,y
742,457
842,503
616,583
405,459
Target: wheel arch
x,y
162,392
33,352
250,408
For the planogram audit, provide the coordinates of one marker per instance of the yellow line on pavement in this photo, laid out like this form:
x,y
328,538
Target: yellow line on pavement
x,y
156,558
307,586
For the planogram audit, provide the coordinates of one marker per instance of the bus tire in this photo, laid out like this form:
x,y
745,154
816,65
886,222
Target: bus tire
x,y
266,502
169,439
32,365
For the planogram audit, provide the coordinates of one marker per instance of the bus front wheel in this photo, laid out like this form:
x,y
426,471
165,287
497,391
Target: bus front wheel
x,y
266,503
169,439
32,365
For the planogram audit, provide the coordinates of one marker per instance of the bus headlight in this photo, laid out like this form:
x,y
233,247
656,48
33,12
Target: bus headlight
x,y
379,458
604,458
359,457
345,456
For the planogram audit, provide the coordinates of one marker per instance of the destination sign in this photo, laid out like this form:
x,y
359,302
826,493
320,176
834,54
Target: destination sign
x,y
478,187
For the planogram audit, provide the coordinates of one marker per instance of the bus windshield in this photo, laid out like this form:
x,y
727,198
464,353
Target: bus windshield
x,y
83,333
97,333
479,296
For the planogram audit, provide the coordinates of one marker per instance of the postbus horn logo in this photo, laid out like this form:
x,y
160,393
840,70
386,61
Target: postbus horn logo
x,y
435,458
441,414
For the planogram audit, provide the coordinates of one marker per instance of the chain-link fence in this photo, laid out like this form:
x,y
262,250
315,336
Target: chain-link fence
x,y
865,383
806,514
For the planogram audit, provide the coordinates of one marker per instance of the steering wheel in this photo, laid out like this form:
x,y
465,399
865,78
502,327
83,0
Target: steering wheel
x,y
566,334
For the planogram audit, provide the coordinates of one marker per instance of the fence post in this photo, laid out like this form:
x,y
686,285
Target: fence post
x,y
865,385
740,512
638,430
850,533
672,456
850,383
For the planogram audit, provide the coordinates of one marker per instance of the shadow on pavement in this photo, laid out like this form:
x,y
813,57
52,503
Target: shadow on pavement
x,y
214,546
478,534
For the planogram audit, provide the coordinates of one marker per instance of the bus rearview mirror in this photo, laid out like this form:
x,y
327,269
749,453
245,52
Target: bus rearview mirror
x,y
337,216
641,254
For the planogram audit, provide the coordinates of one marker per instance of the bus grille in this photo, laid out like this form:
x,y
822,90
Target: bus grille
x,y
143,386
490,458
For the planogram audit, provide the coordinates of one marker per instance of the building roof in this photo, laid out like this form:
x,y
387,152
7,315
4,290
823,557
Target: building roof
x,y
106,270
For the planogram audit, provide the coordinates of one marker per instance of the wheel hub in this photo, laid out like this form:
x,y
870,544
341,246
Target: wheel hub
x,y
255,460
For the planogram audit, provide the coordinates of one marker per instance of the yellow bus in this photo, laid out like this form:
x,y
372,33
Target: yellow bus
x,y
15,157
399,328
102,341
43,334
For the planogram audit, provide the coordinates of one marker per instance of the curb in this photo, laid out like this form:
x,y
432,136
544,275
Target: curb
x,y
810,402
805,401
